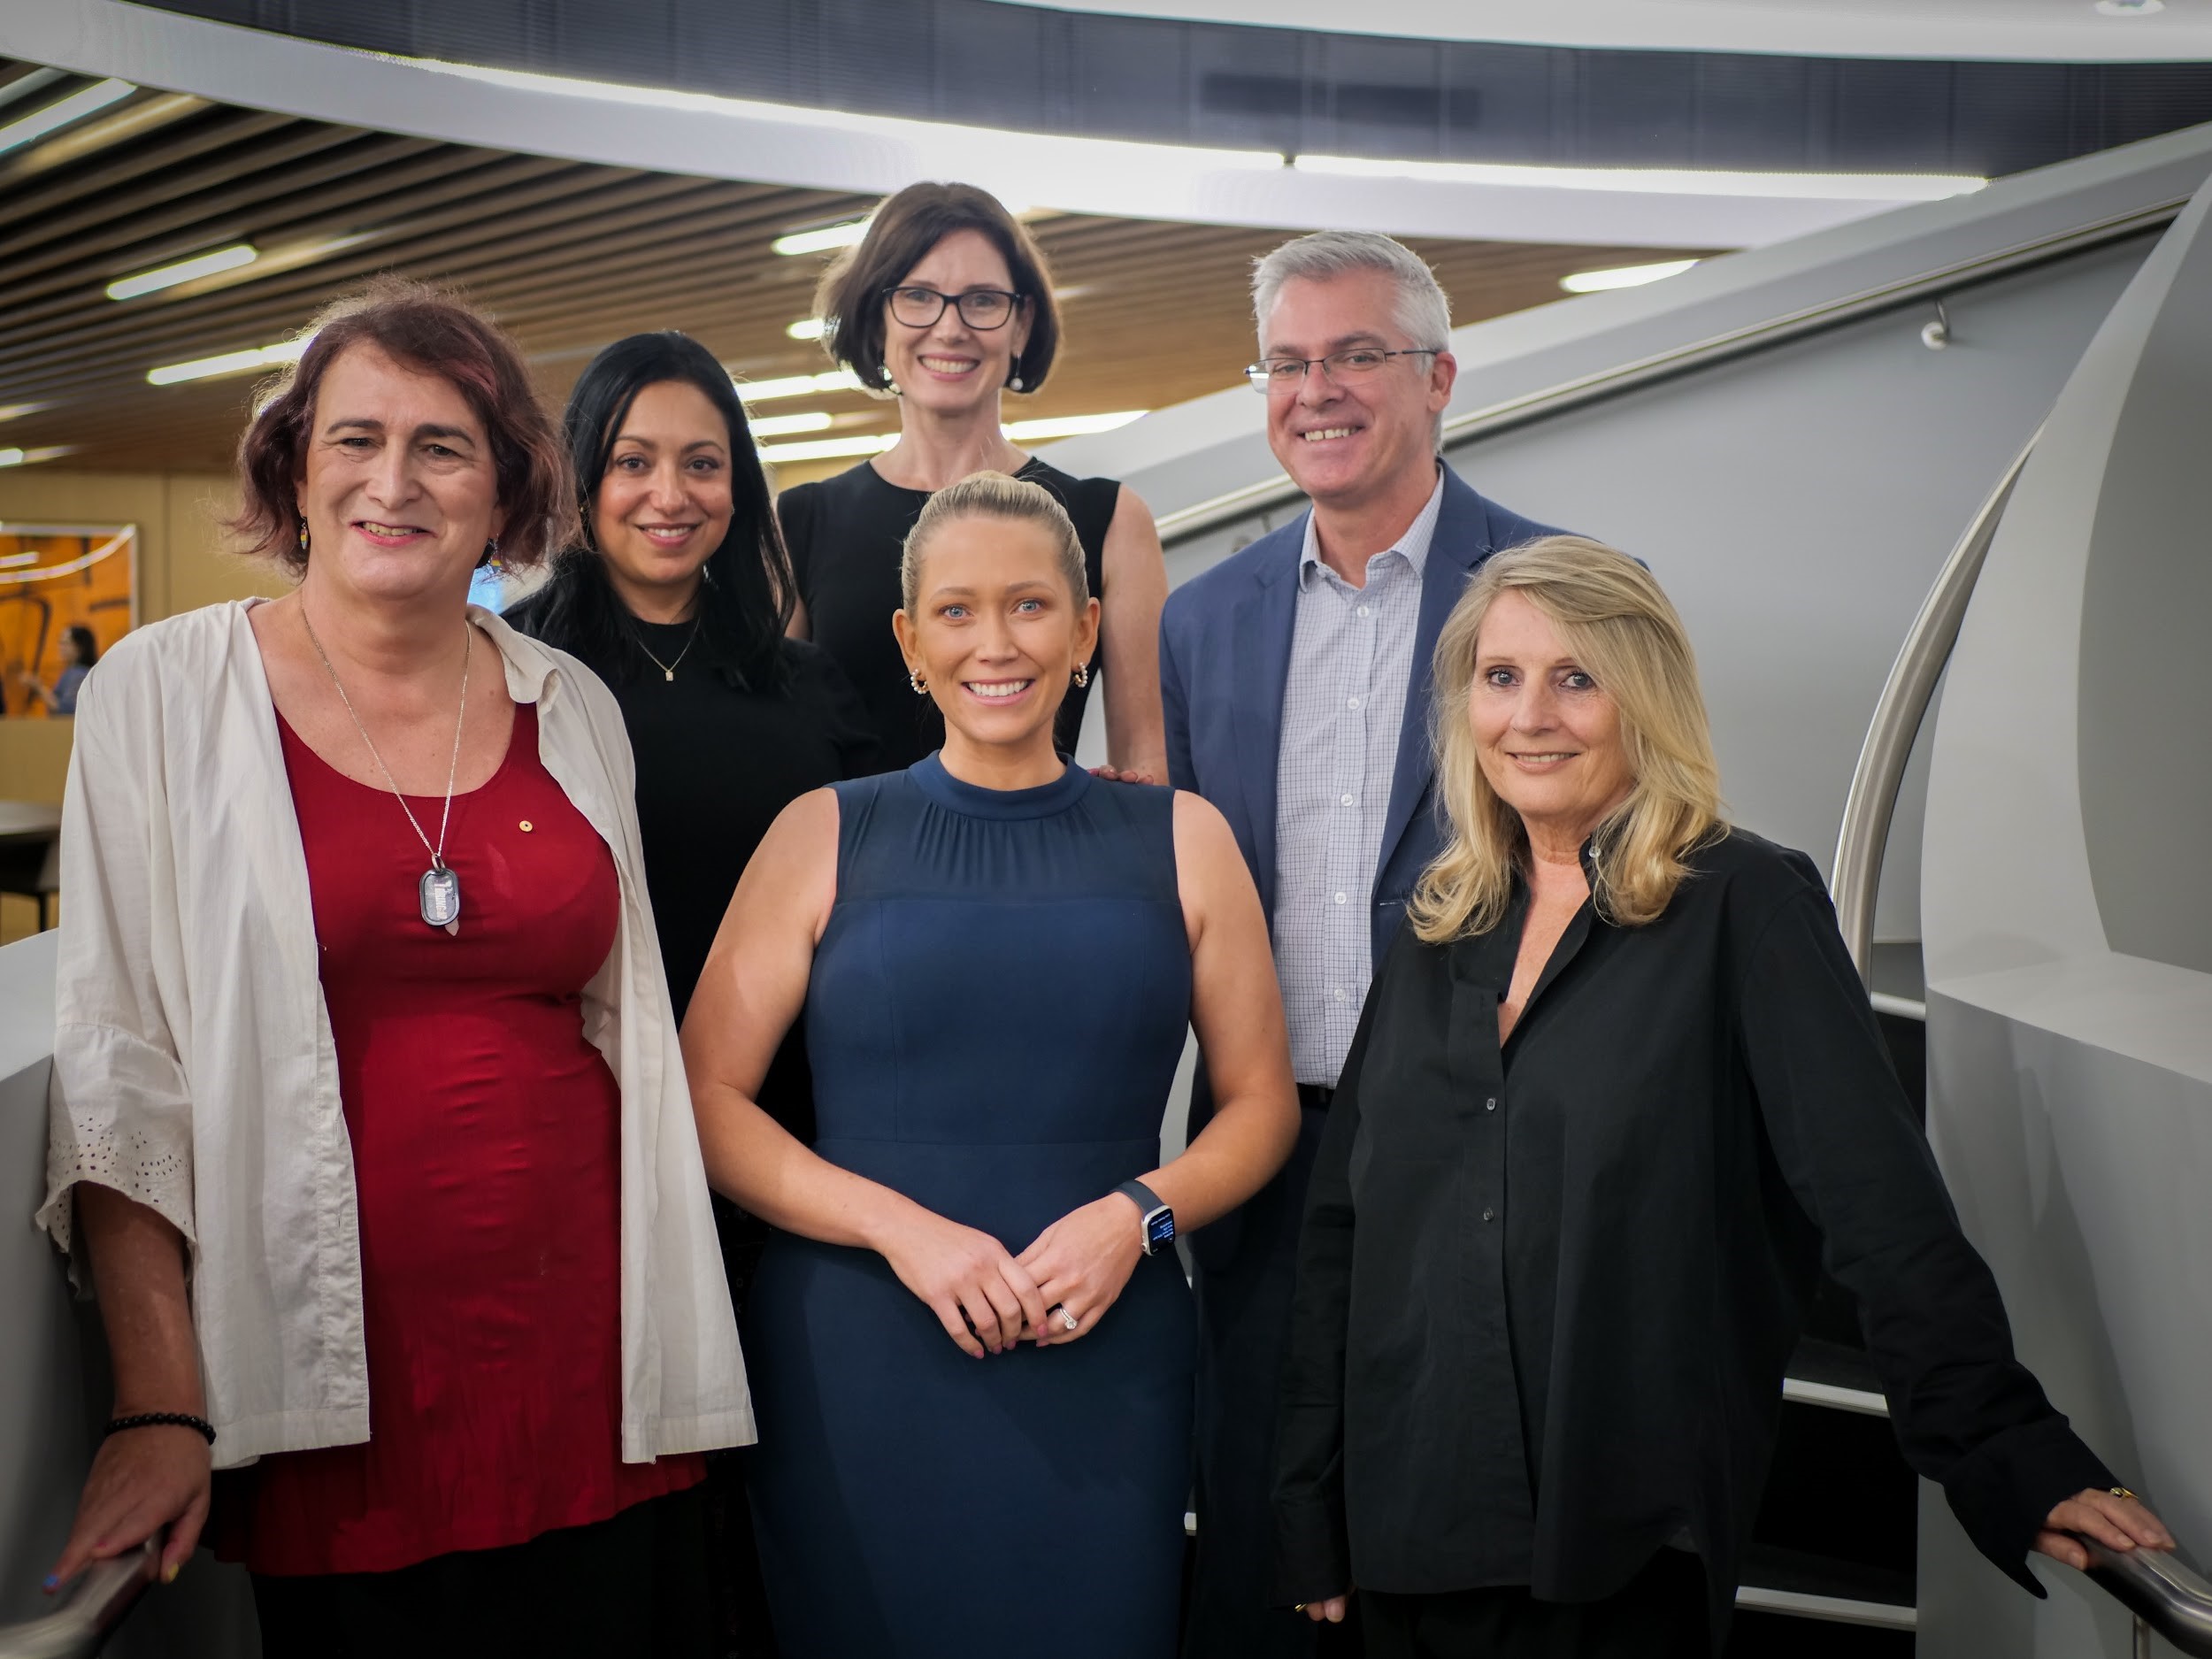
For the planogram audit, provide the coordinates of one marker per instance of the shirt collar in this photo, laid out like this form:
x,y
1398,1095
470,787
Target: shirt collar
x,y
531,670
1413,546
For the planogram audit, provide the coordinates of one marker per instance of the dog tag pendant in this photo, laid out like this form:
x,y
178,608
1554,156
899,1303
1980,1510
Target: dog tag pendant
x,y
440,890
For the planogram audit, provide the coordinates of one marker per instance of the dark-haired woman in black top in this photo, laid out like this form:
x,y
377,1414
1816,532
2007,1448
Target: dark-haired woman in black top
x,y
945,303
679,600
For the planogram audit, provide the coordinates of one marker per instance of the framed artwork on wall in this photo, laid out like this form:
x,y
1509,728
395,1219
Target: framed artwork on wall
x,y
67,593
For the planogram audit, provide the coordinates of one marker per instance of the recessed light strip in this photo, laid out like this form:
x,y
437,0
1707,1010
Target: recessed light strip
x,y
1624,276
169,276
822,239
796,386
60,114
229,363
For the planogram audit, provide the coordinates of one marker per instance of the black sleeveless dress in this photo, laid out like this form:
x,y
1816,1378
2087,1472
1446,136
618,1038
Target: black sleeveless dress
x,y
846,534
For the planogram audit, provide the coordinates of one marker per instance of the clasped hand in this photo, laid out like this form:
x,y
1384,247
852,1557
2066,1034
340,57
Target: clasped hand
x,y
988,1299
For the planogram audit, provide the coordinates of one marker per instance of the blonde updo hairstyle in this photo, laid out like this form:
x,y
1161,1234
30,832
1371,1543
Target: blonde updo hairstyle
x,y
994,496
1619,625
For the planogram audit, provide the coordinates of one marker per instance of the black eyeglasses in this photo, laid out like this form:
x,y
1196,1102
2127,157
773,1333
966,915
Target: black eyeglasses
x,y
983,308
1281,374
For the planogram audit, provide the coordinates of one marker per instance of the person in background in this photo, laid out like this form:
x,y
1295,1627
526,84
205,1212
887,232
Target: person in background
x,y
1616,1096
79,651
946,304
1295,677
368,1113
974,1338
677,597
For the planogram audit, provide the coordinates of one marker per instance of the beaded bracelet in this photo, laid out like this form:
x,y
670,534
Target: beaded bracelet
x,y
161,1419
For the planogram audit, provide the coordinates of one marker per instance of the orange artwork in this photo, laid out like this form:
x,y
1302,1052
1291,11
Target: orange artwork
x,y
67,593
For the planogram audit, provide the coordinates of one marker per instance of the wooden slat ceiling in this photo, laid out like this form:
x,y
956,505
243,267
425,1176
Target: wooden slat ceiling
x,y
570,256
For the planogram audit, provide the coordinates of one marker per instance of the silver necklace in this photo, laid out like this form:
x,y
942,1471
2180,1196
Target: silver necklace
x,y
439,892
668,670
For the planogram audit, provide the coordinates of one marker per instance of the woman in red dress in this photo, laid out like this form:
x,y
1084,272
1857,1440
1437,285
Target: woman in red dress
x,y
453,1287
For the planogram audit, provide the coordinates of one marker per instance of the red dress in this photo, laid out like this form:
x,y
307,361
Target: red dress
x,y
487,1163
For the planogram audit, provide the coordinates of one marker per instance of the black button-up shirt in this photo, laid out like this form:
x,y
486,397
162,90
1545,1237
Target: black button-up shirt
x,y
1545,1294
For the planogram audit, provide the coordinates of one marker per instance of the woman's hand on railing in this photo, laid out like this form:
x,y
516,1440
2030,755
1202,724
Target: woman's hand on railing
x,y
141,1480
2118,1520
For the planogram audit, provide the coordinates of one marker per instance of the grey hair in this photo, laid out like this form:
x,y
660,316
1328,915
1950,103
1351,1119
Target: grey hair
x,y
1423,310
994,496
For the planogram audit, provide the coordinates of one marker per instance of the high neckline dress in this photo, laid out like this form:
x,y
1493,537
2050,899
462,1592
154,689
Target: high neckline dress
x,y
996,1010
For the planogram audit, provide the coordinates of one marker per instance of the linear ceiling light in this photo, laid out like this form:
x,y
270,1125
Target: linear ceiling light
x,y
821,239
1864,187
31,457
230,363
1624,276
168,276
805,328
55,116
796,386
828,449
16,412
1071,426
783,426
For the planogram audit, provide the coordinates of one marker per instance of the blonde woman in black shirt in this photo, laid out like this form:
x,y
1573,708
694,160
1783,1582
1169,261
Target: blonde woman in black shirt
x,y
1615,1097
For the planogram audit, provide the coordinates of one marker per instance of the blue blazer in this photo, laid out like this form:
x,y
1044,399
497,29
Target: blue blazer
x,y
1224,658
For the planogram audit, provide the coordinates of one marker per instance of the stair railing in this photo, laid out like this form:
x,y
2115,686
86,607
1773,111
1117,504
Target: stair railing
x,y
100,1599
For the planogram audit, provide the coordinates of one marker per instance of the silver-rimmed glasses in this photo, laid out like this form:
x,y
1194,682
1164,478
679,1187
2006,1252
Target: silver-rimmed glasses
x,y
1281,374
981,309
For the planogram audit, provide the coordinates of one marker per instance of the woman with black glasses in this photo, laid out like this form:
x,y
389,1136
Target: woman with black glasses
x,y
944,305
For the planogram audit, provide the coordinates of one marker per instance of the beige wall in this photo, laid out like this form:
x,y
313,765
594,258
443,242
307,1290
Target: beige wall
x,y
181,566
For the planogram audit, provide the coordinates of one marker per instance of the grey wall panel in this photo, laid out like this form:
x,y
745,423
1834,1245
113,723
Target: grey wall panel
x,y
2069,1031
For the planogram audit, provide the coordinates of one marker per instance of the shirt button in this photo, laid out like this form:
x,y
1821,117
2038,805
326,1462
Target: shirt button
x,y
1351,703
1340,993
1363,610
1344,801
1340,898
1490,1105
1489,1214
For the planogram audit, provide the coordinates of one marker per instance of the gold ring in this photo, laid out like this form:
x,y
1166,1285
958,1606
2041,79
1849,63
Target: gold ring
x,y
2122,1492
1300,1608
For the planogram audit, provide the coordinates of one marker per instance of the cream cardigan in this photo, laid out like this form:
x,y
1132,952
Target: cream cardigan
x,y
193,1069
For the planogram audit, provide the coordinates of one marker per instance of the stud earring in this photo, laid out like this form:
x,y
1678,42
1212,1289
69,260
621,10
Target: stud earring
x,y
1082,675
921,686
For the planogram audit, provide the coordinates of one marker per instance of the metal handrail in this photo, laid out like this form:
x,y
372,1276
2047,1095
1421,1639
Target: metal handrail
x,y
2164,1595
1868,808
99,1600
1186,522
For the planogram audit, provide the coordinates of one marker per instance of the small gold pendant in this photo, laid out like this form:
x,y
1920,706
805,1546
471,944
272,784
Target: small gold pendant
x,y
669,675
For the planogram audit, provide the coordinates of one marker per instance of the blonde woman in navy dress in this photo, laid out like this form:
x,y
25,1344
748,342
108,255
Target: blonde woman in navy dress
x,y
974,1342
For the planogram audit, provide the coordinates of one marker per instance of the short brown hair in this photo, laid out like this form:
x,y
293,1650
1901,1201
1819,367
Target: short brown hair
x,y
901,232
431,332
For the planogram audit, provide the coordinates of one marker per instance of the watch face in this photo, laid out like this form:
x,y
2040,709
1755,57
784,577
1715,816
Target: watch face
x,y
1159,1227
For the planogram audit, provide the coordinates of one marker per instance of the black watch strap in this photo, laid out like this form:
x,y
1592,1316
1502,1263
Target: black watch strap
x,y
1148,1205
1146,1199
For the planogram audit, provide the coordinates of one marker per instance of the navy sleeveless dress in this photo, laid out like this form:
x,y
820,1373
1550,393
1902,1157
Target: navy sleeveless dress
x,y
995,1013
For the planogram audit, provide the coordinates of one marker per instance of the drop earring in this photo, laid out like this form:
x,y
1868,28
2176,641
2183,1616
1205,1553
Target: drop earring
x,y
1082,675
302,518
1014,381
921,686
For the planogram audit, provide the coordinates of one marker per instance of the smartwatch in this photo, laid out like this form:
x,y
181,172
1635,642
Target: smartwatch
x,y
1159,1220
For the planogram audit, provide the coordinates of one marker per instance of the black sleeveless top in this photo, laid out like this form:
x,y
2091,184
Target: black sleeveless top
x,y
846,534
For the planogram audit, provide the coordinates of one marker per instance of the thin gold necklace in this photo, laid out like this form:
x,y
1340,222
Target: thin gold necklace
x,y
668,670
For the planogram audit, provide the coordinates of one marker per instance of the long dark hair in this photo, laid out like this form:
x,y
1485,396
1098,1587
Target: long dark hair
x,y
746,598
87,647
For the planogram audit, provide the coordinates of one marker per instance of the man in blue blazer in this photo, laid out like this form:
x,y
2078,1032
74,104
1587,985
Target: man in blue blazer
x,y
1295,676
